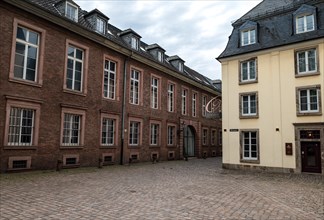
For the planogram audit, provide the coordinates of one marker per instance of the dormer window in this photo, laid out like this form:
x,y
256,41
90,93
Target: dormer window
x,y
71,12
180,67
160,56
134,43
305,23
305,19
248,33
248,37
100,26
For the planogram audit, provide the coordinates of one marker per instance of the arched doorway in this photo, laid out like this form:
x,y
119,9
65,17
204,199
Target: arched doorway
x,y
189,141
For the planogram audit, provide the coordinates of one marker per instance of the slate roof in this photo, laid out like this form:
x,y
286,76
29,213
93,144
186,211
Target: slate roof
x,y
114,34
275,26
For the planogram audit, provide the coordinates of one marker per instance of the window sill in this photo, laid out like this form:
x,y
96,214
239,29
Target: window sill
x,y
25,82
249,117
250,161
70,147
74,92
301,114
299,75
20,147
154,146
107,147
110,100
248,82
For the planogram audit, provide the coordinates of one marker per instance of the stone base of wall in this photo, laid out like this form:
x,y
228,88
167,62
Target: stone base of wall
x,y
252,167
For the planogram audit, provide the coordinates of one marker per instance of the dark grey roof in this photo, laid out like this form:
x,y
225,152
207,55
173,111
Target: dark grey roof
x,y
97,12
114,33
154,46
275,26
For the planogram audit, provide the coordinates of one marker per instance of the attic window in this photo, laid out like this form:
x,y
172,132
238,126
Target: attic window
x,y
305,23
134,43
71,12
101,26
160,56
180,67
248,37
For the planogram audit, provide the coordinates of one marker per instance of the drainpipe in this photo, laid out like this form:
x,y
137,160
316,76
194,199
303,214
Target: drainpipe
x,y
123,112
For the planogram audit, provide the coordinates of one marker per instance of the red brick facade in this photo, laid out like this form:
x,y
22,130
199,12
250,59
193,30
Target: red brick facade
x,y
51,101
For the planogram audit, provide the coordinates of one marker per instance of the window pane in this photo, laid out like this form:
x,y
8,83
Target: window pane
x,y
79,54
300,24
310,22
252,36
244,71
312,60
252,70
71,51
20,48
21,33
33,38
30,74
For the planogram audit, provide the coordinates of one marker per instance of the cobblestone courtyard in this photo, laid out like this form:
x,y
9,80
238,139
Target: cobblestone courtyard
x,y
197,189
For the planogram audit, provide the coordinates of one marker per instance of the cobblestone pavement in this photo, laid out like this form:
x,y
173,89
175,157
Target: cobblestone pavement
x,y
197,189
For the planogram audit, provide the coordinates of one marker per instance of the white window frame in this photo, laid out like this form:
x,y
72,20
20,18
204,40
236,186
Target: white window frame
x,y
249,107
110,130
135,77
171,92
250,39
69,118
249,144
184,95
134,43
154,93
154,134
27,44
100,25
305,24
307,61
160,56
308,100
74,59
204,103
134,133
67,13
109,80
248,70
194,104
15,131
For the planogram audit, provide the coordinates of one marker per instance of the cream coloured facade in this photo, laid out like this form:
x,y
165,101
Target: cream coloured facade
x,y
272,95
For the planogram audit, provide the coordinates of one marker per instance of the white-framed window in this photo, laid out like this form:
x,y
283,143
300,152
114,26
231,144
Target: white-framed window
x,y
305,23
134,43
248,70
205,136
134,132
171,135
74,75
204,103
180,67
309,101
71,129
171,91
184,101
154,93
21,126
100,25
135,87
109,80
248,37
160,56
194,104
26,54
306,61
250,146
71,12
154,140
108,131
248,104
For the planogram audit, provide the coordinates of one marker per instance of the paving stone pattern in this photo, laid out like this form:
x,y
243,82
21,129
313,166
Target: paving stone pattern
x,y
197,189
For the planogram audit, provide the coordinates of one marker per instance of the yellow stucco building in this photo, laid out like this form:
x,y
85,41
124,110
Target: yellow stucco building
x,y
272,88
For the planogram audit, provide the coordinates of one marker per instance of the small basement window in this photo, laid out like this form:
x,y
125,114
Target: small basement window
x,y
19,164
71,161
134,157
108,159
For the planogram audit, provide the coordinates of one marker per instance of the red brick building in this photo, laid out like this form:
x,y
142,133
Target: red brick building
x,y
76,91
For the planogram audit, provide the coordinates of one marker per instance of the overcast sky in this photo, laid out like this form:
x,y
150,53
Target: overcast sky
x,y
195,30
